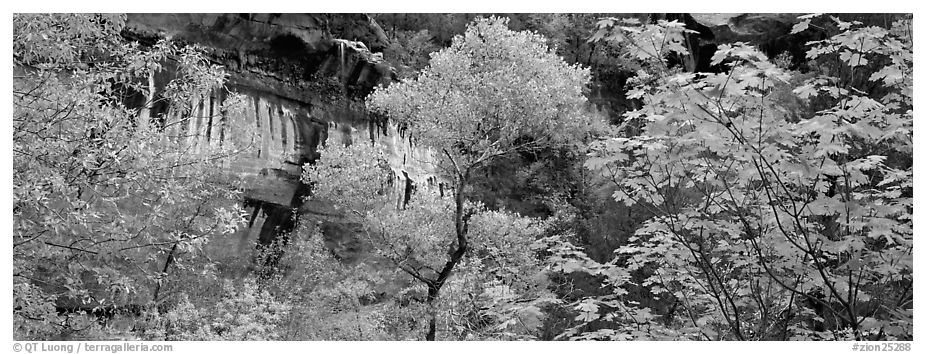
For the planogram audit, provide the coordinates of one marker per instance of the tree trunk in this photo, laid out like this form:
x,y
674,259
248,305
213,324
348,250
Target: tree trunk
x,y
146,116
170,259
433,291
432,327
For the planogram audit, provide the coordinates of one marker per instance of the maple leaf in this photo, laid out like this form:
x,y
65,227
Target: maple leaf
x,y
587,316
800,26
853,58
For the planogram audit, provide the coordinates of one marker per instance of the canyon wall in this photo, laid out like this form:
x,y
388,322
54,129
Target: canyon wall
x,y
303,78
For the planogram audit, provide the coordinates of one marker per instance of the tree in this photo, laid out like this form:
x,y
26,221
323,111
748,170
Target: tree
x,y
771,220
499,287
492,93
108,198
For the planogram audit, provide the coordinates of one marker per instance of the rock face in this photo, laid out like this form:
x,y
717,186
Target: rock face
x,y
304,77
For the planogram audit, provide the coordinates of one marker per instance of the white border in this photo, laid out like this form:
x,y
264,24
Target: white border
x,y
180,6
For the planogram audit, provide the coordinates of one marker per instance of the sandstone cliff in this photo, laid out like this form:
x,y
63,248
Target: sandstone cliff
x,y
304,77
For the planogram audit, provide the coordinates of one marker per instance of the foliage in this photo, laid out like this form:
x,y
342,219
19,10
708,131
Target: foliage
x,y
491,92
507,275
360,171
498,288
63,39
244,312
410,51
33,304
765,226
106,197
339,301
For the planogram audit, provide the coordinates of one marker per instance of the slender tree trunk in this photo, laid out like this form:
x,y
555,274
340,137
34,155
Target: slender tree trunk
x,y
434,287
433,292
170,259
145,115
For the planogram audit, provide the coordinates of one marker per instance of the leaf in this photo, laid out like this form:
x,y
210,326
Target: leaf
x,y
890,75
809,16
597,163
805,91
587,316
800,26
587,306
573,266
853,58
843,25
867,163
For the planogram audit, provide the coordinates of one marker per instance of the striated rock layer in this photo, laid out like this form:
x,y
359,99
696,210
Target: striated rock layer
x,y
304,77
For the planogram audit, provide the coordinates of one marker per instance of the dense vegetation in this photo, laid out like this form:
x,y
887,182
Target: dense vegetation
x,y
757,200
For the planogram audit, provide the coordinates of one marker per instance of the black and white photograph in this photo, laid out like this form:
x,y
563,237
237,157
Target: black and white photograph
x,y
447,176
